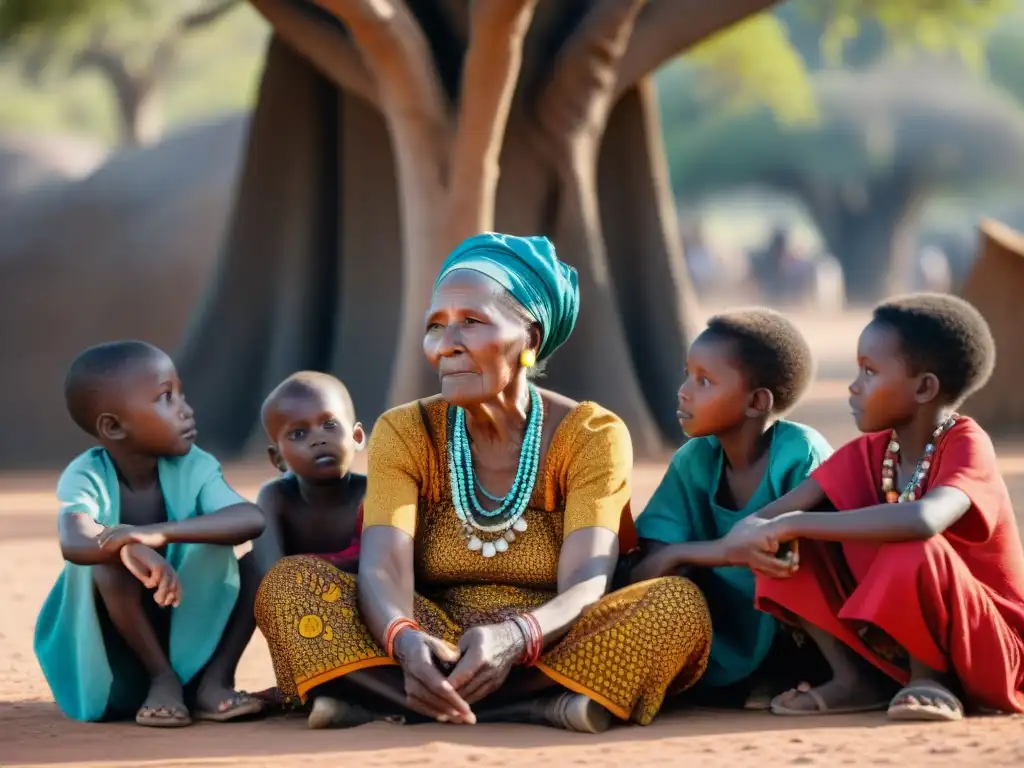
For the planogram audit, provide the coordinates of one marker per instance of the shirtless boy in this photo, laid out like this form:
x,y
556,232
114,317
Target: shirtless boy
x,y
313,508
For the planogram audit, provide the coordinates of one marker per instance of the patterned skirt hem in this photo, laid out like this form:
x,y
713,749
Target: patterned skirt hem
x,y
575,687
306,686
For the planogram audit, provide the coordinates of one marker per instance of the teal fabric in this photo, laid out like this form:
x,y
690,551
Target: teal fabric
x,y
68,638
529,269
684,508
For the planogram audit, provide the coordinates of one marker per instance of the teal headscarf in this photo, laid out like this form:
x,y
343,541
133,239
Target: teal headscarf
x,y
529,270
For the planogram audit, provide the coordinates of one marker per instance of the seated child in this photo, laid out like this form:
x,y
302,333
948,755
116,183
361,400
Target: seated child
x,y
745,370
925,586
147,600
315,507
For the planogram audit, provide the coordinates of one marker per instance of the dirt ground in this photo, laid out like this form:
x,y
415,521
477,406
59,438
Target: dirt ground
x,y
33,732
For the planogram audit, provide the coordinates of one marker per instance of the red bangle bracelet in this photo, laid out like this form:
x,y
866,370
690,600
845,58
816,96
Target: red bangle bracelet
x,y
394,629
530,628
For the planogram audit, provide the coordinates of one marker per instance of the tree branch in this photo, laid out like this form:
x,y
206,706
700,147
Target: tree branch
x,y
667,28
579,95
325,46
102,57
489,76
190,22
397,52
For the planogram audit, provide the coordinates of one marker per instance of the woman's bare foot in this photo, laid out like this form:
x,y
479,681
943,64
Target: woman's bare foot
x,y
221,703
164,706
838,696
329,712
576,712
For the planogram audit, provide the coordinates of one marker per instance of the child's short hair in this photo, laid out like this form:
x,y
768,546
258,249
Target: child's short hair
x,y
944,335
770,350
93,369
304,383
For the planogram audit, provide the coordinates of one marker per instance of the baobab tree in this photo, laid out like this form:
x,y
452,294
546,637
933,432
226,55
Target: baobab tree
x,y
388,130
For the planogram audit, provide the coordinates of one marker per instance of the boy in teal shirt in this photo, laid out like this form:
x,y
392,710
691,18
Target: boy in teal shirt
x,y
148,599
743,371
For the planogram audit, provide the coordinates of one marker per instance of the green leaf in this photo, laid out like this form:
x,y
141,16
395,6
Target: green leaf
x,y
754,64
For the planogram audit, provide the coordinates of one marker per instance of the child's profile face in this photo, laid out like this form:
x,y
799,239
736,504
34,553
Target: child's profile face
x,y
715,393
882,397
315,436
152,413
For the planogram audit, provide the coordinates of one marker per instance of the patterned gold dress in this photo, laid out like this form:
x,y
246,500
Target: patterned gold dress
x,y
625,652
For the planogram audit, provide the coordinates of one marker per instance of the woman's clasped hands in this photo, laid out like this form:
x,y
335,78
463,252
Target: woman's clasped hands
x,y
759,544
479,665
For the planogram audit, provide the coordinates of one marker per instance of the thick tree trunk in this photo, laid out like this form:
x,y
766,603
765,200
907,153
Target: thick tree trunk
x,y
286,299
316,275
874,240
645,251
596,359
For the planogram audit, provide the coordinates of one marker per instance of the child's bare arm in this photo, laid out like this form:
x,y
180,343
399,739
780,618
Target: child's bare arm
x,y
268,548
806,496
78,534
929,516
662,559
227,527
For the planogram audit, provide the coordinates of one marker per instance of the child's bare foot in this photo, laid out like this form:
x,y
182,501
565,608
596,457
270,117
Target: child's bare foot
x,y
833,698
927,700
164,706
221,703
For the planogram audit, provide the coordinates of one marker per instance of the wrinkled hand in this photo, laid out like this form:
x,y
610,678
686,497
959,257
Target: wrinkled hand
x,y
154,572
114,538
427,690
754,542
488,653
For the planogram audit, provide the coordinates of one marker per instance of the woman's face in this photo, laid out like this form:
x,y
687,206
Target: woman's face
x,y
473,338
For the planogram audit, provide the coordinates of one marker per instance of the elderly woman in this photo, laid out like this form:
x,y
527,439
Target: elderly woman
x,y
491,532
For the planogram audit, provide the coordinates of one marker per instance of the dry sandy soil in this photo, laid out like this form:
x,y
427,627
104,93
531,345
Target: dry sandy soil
x,y
33,732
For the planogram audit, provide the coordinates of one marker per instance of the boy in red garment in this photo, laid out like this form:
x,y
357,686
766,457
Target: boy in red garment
x,y
920,579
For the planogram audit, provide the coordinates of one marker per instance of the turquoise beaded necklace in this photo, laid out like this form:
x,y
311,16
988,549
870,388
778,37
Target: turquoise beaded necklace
x,y
506,519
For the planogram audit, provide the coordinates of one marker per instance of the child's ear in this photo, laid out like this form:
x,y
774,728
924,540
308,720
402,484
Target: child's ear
x,y
359,436
927,388
761,403
275,458
109,427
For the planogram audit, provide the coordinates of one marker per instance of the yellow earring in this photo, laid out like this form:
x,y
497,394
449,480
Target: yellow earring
x,y
527,358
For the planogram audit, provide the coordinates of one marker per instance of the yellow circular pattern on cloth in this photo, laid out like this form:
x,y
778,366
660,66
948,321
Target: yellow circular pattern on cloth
x,y
311,626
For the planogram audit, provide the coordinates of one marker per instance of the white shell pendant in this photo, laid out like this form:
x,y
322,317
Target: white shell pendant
x,y
519,525
488,550
474,544
509,536
500,545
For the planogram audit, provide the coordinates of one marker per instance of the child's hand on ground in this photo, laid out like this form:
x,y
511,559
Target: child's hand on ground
x,y
114,538
154,572
754,542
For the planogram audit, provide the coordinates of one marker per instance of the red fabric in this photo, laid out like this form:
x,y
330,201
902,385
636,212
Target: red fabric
x,y
628,538
352,550
955,600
